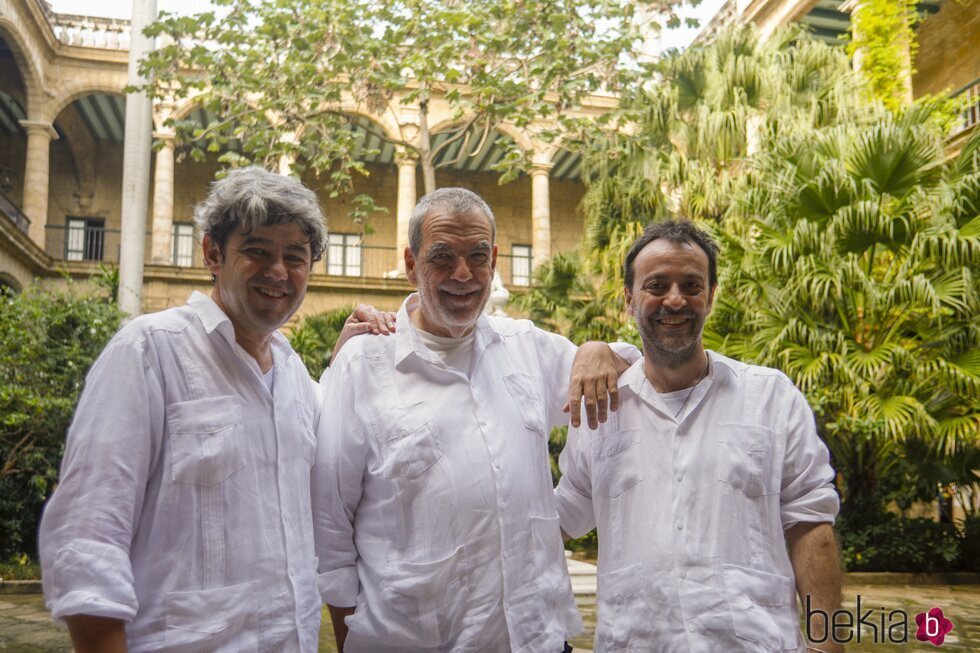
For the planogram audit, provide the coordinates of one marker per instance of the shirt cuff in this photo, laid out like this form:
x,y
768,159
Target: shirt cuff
x,y
818,506
91,578
339,587
575,513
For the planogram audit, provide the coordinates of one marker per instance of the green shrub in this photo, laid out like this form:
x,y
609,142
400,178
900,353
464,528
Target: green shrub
x,y
970,546
48,341
899,544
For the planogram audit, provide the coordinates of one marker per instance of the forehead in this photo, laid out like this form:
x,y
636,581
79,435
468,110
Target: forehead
x,y
287,234
466,228
665,257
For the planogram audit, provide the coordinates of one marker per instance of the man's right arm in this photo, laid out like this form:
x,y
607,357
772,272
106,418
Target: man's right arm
x,y
336,487
573,495
88,525
337,616
96,634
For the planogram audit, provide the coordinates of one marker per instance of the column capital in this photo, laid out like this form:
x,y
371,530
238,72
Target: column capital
x,y
39,127
166,136
404,157
541,168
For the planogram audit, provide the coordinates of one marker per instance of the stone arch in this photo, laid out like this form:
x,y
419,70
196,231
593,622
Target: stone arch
x,y
29,74
9,283
79,90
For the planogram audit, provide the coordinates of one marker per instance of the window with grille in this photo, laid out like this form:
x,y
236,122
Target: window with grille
x,y
84,239
183,239
520,274
344,255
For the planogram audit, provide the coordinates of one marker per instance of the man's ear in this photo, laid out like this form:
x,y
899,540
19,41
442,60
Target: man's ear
x,y
410,266
628,298
493,260
213,257
711,297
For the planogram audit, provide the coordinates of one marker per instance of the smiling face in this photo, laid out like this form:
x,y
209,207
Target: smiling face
x,y
260,279
670,300
453,271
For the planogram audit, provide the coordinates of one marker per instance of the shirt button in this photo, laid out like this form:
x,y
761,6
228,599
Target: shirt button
x,y
678,477
679,527
690,628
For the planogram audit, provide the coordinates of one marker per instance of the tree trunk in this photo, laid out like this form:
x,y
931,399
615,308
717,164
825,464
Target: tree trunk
x,y
425,149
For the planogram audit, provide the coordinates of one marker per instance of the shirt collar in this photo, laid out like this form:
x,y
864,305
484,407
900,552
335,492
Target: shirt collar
x,y
214,319
635,379
408,341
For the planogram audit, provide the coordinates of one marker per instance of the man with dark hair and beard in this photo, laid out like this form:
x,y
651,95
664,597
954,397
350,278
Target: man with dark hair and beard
x,y
700,480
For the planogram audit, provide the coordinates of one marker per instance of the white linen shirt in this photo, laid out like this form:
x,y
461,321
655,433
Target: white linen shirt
x,y
691,513
432,495
184,506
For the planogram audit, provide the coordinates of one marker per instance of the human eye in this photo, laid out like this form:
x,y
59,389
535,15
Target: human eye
x,y
440,258
480,258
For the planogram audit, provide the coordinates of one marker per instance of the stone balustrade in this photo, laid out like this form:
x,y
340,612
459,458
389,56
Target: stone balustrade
x,y
91,32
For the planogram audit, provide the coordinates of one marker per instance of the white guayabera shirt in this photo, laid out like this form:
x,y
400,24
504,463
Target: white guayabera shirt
x,y
433,505
184,505
691,511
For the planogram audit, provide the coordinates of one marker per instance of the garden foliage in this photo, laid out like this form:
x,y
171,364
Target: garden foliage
x,y
48,340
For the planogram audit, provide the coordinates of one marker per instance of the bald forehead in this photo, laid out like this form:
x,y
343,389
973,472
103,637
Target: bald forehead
x,y
440,224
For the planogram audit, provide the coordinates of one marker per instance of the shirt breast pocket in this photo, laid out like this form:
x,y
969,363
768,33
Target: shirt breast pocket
x,y
530,405
616,464
206,440
408,443
745,459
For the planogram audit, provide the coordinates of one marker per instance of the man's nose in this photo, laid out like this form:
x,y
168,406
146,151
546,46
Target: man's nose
x,y
461,271
674,298
276,269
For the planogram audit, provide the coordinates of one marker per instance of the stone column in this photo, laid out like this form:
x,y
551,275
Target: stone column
x,y
540,213
163,201
36,175
407,166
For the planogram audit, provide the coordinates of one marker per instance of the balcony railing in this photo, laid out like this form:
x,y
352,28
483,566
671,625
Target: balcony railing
x,y
91,32
12,211
88,242
82,243
969,110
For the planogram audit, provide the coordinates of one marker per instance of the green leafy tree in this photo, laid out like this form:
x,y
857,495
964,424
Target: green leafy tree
x,y
48,340
280,74
883,41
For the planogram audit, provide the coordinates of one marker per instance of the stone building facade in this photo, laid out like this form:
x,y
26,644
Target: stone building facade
x,y
62,113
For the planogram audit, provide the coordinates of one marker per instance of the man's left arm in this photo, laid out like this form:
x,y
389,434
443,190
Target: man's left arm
x,y
816,565
808,507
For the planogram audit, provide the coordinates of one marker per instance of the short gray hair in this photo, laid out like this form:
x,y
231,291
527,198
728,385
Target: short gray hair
x,y
452,201
252,198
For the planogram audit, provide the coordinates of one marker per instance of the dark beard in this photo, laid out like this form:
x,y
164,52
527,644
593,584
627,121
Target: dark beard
x,y
670,357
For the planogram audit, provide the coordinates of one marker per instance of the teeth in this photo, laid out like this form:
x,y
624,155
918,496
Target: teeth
x,y
271,293
673,322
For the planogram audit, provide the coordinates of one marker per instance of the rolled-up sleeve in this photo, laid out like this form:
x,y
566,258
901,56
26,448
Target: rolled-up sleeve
x,y
336,488
807,492
573,495
87,527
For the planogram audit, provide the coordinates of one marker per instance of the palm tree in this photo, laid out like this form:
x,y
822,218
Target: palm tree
x,y
851,262
691,134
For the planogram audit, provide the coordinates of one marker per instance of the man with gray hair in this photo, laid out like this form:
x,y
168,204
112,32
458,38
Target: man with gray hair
x,y
182,518
435,522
